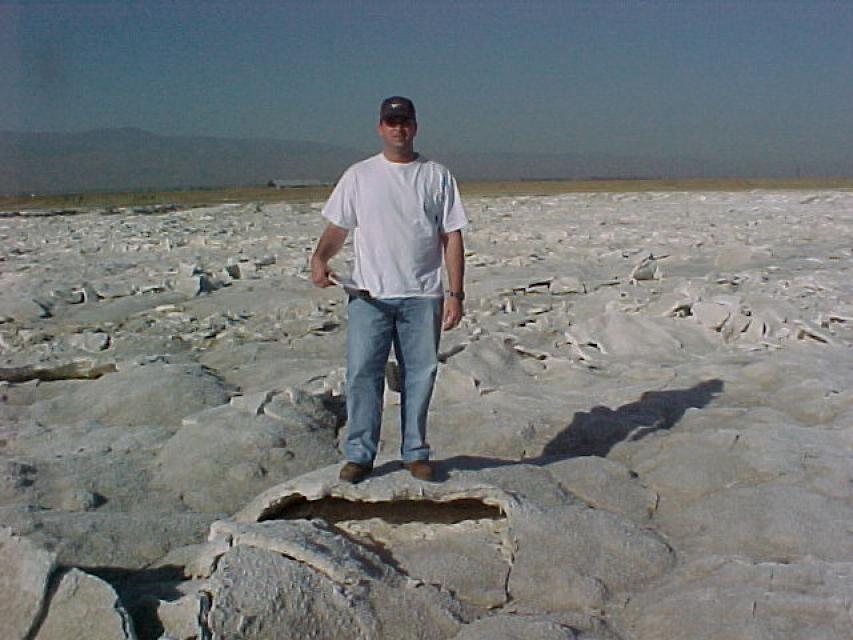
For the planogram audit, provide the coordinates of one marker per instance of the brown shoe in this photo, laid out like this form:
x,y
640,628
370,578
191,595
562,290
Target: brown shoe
x,y
354,472
420,469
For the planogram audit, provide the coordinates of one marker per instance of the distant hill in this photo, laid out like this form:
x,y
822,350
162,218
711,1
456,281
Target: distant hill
x,y
132,159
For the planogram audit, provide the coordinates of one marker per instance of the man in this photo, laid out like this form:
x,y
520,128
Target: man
x,y
404,211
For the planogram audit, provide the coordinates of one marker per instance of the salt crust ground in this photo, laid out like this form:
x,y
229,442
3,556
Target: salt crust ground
x,y
643,428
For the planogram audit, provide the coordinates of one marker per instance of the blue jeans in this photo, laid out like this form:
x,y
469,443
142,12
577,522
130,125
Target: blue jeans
x,y
413,326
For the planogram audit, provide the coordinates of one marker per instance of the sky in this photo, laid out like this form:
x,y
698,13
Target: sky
x,y
730,81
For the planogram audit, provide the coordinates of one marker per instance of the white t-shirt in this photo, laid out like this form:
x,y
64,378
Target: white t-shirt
x,y
397,212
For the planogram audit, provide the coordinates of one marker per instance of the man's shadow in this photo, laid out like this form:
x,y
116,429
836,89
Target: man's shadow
x,y
595,432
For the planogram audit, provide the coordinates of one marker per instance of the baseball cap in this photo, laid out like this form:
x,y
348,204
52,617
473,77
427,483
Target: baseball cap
x,y
397,107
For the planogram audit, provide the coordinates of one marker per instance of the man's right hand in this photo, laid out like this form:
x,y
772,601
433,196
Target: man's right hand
x,y
320,272
330,242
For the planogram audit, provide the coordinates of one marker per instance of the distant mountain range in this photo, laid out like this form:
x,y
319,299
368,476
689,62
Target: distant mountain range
x,y
133,159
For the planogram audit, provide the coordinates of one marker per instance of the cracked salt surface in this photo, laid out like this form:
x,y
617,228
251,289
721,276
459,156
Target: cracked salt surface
x,y
158,372
443,543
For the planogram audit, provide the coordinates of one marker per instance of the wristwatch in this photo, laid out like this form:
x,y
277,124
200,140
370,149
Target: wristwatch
x,y
459,295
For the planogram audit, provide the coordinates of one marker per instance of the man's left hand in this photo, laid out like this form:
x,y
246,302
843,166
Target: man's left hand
x,y
452,313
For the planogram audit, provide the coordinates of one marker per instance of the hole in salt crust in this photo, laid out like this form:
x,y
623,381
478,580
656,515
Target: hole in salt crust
x,y
334,510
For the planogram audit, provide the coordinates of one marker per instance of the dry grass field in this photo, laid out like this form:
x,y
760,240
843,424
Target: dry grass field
x,y
547,187
202,197
183,198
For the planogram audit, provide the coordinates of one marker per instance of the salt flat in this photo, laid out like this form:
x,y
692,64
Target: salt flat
x,y
644,427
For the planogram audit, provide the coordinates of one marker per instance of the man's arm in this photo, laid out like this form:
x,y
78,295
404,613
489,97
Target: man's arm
x,y
328,245
454,262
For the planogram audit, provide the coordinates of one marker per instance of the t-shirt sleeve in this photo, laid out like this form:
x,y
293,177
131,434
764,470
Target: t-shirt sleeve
x,y
454,217
340,207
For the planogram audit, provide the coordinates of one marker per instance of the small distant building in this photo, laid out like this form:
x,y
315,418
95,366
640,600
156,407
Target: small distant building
x,y
288,184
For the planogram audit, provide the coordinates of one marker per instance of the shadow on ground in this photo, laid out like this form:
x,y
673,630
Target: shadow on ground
x,y
140,590
594,432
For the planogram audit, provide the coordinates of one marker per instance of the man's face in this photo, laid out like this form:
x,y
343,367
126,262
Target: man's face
x,y
398,133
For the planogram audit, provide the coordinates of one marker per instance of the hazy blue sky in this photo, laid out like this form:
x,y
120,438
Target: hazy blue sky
x,y
723,80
